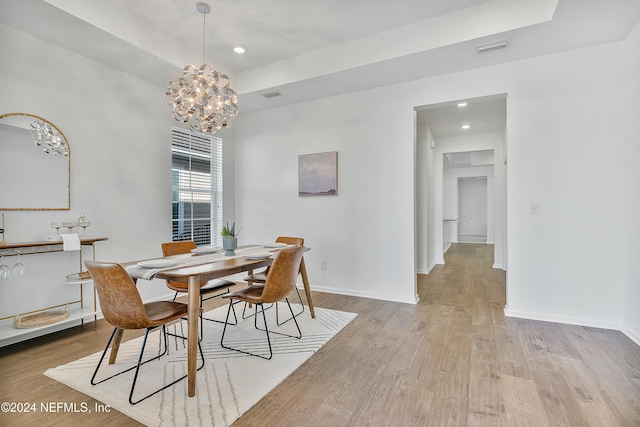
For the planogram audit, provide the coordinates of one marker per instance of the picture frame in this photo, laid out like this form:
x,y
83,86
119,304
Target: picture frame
x,y
318,174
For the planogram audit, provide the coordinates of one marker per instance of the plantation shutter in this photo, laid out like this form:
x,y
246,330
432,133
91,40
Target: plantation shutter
x,y
196,166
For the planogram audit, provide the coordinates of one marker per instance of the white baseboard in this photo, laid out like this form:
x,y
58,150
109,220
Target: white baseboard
x,y
371,295
425,271
547,317
633,335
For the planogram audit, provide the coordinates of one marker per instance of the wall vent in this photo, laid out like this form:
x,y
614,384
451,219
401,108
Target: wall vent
x,y
488,47
271,94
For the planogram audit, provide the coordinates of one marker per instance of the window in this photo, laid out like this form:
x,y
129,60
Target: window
x,y
196,201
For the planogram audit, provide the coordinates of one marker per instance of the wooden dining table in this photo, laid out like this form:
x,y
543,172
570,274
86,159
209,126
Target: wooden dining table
x,y
190,271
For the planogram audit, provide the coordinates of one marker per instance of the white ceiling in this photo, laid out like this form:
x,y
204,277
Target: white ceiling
x,y
482,115
312,49
468,158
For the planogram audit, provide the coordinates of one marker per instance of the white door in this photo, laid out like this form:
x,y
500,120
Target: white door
x,y
472,206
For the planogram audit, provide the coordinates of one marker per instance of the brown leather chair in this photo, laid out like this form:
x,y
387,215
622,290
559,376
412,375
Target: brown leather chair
x,y
208,290
261,276
123,308
281,280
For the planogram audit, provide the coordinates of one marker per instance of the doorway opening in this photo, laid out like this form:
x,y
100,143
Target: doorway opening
x,y
457,142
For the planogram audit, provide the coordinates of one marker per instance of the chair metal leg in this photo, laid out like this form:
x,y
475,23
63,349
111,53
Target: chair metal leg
x,y
93,382
204,318
219,321
235,318
246,316
140,363
279,323
296,315
251,282
266,330
104,353
202,324
135,377
242,351
294,320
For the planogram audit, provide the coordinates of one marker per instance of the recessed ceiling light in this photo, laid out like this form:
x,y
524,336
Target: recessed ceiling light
x,y
465,126
462,104
239,49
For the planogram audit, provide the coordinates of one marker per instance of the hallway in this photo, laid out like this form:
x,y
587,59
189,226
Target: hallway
x,y
494,370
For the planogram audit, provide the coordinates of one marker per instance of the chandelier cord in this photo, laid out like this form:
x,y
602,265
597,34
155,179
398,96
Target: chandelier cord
x,y
202,97
204,26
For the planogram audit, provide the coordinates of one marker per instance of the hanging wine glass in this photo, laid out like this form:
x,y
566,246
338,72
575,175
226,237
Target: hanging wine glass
x,y
4,269
19,268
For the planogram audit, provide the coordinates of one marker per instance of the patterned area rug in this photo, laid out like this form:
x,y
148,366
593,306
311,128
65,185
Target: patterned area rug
x,y
228,385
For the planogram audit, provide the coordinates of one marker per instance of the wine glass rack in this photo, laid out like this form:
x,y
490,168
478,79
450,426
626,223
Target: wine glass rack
x,y
9,334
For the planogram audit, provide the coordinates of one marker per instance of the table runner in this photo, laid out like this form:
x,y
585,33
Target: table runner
x,y
137,272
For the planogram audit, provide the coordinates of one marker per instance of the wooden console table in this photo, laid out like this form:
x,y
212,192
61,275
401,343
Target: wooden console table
x,y
9,334
26,248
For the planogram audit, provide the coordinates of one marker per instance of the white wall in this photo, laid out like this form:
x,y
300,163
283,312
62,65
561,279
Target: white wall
x,y
565,124
425,207
631,161
564,118
365,234
118,128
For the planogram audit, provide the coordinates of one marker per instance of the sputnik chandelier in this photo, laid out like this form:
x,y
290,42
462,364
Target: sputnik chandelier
x,y
202,96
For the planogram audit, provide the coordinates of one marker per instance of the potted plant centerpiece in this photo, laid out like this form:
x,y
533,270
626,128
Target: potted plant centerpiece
x,y
230,238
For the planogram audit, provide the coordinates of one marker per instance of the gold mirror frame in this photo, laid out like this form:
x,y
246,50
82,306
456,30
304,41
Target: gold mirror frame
x,y
68,183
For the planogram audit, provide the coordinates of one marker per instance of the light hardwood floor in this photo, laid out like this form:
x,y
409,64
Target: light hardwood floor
x,y
453,359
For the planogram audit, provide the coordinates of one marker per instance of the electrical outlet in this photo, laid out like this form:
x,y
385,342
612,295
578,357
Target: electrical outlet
x,y
323,265
534,209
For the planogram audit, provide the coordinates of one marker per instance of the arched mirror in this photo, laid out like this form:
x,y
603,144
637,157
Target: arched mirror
x,y
35,164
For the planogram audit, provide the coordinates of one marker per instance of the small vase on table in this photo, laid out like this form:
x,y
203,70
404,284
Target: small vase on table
x,y
230,244
229,238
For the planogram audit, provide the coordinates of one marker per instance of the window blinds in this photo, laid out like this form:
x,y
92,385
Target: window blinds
x,y
196,166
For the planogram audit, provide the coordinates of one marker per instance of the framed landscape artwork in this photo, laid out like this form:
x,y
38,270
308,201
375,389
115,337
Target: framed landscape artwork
x,y
318,174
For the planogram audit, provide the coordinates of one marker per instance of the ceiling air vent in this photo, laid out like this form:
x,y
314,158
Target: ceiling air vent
x,y
488,47
271,94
